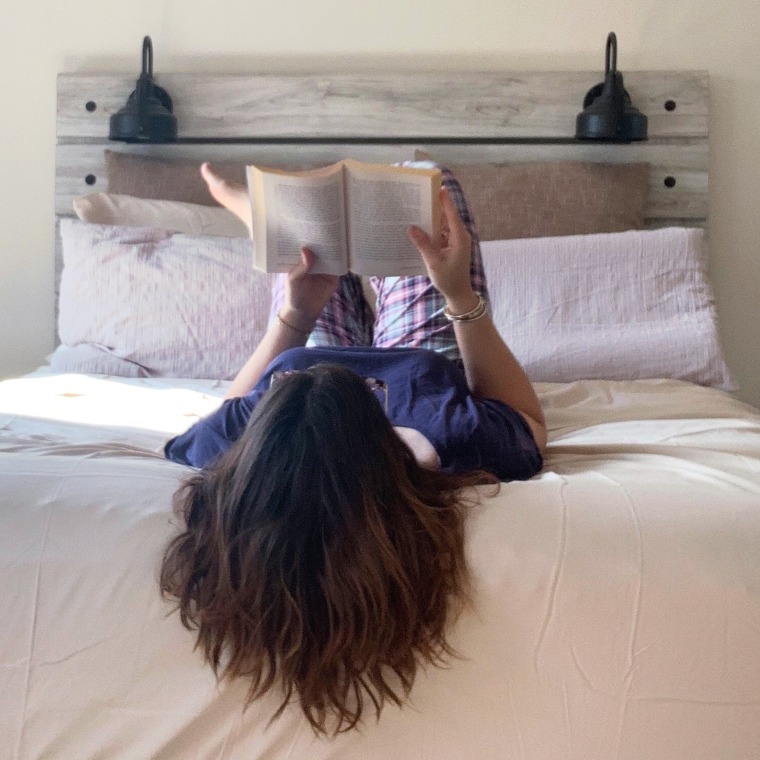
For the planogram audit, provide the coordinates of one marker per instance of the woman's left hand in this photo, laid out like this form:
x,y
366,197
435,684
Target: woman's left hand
x,y
448,260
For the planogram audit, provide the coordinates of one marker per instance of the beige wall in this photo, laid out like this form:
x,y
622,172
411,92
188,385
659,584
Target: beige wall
x,y
41,38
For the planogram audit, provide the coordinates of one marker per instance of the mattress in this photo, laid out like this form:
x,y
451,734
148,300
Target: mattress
x,y
615,609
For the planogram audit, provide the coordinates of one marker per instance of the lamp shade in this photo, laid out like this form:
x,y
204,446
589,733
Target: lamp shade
x,y
147,116
608,114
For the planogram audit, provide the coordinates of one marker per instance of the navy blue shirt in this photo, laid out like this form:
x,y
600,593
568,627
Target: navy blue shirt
x,y
426,392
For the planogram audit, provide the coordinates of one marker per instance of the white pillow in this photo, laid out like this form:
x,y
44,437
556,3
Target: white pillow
x,y
615,306
190,218
145,302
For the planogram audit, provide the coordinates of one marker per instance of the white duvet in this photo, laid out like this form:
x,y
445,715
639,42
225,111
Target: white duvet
x,y
616,611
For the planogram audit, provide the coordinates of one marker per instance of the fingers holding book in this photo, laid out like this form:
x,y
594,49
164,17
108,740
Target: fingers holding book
x,y
306,294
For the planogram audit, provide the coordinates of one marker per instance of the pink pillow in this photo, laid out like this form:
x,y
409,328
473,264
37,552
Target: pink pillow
x,y
139,301
619,306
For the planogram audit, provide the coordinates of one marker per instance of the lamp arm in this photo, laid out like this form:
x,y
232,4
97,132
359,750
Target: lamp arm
x,y
610,53
147,56
145,86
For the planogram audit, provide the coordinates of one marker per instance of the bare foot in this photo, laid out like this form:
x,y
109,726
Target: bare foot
x,y
232,196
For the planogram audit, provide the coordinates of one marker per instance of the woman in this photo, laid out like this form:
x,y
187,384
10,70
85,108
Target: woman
x,y
324,541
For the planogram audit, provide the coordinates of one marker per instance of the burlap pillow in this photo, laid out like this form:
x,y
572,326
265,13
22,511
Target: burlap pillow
x,y
162,179
553,198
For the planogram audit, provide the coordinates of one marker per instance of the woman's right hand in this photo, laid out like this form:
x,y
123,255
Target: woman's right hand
x,y
305,296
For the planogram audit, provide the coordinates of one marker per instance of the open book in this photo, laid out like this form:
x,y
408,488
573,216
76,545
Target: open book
x,y
353,216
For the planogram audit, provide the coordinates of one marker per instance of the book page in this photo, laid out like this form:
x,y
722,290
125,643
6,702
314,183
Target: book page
x,y
382,202
296,209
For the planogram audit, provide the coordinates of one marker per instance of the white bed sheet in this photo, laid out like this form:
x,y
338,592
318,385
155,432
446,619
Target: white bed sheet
x,y
616,610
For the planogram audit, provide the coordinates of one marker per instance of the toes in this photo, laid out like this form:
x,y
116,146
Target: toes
x,y
230,195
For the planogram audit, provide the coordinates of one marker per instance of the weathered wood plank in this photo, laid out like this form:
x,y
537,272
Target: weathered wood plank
x,y
434,104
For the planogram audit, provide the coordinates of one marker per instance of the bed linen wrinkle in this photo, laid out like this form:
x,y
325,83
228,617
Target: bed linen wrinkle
x,y
555,579
623,602
59,447
639,576
684,465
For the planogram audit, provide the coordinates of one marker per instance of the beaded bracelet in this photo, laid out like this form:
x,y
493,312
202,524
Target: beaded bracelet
x,y
480,310
292,327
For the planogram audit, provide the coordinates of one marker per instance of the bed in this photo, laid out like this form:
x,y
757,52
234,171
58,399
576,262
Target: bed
x,y
616,604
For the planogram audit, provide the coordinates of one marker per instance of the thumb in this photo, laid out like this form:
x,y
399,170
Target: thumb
x,y
303,267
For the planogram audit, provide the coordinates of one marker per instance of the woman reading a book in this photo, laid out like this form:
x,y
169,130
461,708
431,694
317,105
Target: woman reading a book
x,y
324,537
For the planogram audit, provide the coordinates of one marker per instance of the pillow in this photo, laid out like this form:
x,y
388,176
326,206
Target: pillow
x,y
553,198
621,306
147,302
162,179
190,218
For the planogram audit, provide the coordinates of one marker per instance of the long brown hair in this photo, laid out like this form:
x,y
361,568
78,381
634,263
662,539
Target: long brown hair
x,y
318,556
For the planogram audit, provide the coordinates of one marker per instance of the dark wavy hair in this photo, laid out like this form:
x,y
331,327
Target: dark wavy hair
x,y
318,556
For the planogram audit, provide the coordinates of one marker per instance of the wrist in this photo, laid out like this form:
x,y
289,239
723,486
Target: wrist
x,y
477,312
295,319
462,303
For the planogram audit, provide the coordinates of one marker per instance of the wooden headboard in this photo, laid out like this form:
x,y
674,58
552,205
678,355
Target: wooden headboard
x,y
458,117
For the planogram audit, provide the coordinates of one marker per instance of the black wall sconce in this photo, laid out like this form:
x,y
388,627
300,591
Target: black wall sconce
x,y
608,114
147,116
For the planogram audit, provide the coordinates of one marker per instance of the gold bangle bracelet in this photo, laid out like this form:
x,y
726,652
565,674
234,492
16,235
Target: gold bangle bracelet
x,y
479,311
292,327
